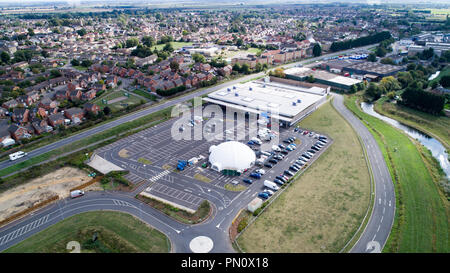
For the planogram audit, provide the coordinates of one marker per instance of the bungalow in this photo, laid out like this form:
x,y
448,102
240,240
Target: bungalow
x,y
4,132
99,86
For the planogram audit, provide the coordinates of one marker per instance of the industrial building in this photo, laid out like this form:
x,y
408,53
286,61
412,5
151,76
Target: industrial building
x,y
373,69
321,76
284,102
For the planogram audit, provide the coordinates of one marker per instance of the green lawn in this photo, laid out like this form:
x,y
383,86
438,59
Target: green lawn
x,y
421,222
145,94
437,126
175,45
119,105
117,232
323,208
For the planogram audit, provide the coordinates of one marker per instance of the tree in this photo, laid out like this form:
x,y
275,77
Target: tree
x,y
168,47
317,50
245,69
310,79
148,41
75,62
198,58
132,42
55,73
445,81
239,42
81,32
381,52
174,66
387,61
373,91
107,110
4,56
45,54
372,57
86,63
141,51
299,37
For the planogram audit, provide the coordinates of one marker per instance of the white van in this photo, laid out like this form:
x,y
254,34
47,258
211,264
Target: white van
x,y
76,193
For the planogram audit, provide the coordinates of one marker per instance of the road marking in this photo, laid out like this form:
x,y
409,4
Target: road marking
x,y
381,219
389,203
379,201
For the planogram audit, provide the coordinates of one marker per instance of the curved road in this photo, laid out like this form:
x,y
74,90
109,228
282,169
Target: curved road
x,y
381,219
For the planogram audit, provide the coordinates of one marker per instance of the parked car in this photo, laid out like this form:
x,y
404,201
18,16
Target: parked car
x,y
268,165
247,180
287,172
250,143
269,192
273,161
285,152
278,181
263,195
255,175
311,151
293,168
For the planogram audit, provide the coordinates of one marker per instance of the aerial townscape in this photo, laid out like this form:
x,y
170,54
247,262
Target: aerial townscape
x,y
224,127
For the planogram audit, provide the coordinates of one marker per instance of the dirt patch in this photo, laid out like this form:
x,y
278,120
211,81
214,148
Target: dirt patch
x,y
58,183
124,153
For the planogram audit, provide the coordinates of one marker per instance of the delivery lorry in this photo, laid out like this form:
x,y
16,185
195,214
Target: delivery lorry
x,y
271,185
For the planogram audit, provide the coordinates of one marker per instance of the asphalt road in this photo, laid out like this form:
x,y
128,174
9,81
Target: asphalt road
x,y
152,109
380,223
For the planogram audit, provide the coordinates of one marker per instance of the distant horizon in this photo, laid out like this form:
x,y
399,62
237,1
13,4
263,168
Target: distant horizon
x,y
80,2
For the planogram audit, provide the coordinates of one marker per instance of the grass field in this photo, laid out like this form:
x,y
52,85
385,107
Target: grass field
x,y
175,45
116,231
119,105
324,207
421,222
438,126
145,94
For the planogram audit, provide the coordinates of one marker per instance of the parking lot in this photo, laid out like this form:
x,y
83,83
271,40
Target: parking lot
x,y
152,156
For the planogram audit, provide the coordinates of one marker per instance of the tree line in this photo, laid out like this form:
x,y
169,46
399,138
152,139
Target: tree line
x,y
362,41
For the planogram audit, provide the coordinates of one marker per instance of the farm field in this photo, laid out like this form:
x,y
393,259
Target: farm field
x,y
324,207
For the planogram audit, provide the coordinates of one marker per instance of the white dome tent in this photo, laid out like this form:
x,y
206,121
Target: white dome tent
x,y
231,155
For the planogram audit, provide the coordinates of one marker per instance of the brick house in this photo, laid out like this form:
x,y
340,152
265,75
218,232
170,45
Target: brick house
x,y
90,107
20,115
73,113
18,132
56,119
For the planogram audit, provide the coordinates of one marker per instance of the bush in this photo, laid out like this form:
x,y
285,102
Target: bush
x,y
242,224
